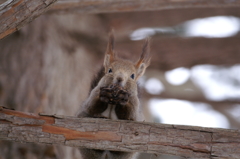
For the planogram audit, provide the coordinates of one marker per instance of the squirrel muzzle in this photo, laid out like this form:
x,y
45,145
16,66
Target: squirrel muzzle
x,y
119,79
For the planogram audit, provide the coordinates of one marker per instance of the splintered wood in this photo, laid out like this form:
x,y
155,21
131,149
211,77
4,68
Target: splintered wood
x,y
119,135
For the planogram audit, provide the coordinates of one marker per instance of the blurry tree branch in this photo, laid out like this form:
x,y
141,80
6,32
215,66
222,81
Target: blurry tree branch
x,y
220,106
185,141
192,99
123,22
170,53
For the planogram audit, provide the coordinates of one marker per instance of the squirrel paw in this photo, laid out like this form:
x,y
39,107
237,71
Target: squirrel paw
x,y
113,95
105,94
122,97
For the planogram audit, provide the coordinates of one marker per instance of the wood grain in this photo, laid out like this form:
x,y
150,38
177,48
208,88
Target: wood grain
x,y
185,141
16,14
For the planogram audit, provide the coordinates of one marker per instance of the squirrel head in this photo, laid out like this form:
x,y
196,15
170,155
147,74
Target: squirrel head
x,y
124,72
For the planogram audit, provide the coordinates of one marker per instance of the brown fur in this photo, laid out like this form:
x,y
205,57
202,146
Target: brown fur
x,y
124,74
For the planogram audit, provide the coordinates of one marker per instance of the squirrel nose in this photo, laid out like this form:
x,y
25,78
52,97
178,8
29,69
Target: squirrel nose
x,y
119,79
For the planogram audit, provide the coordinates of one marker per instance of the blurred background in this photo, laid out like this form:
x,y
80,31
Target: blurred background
x,y
194,77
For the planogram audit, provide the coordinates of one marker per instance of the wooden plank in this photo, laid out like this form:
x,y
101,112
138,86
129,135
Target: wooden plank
x,y
103,6
185,141
15,14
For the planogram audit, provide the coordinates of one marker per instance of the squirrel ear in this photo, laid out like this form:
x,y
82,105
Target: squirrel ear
x,y
109,54
144,59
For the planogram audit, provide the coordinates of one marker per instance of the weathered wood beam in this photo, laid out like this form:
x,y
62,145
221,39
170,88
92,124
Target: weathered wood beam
x,y
14,14
185,141
103,6
125,22
163,95
170,53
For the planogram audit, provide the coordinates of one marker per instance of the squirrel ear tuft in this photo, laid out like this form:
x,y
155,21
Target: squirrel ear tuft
x,y
109,54
144,59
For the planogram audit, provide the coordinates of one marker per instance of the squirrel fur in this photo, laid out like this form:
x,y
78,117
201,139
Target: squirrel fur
x,y
114,95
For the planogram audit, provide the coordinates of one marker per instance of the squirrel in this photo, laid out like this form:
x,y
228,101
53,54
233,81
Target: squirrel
x,y
114,95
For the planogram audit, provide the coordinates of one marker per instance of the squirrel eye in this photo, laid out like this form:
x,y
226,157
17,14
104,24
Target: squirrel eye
x,y
110,70
132,76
